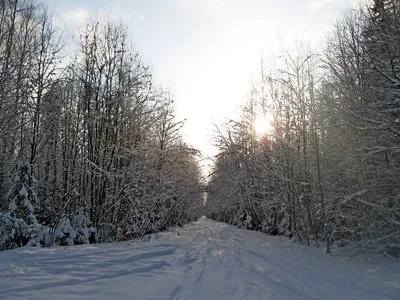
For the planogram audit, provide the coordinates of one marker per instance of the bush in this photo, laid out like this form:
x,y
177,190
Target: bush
x,y
65,234
13,232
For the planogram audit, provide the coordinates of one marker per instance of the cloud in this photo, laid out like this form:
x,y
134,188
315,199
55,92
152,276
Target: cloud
x,y
75,16
119,13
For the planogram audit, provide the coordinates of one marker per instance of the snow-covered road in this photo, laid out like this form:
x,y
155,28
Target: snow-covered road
x,y
207,260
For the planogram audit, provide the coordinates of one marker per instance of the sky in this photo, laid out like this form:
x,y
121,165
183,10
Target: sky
x,y
206,52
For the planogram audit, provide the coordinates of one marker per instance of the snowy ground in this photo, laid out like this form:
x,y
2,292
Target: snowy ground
x,y
208,260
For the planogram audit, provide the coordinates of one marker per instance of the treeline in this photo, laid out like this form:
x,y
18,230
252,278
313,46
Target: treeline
x,y
329,167
91,149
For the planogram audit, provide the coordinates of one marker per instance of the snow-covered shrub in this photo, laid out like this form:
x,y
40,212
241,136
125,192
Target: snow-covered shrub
x,y
79,224
243,220
85,232
44,236
247,223
79,231
129,229
21,194
284,228
32,233
19,226
65,234
235,221
265,226
13,232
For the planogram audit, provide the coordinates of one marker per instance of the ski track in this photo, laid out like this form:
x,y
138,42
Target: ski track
x,y
207,260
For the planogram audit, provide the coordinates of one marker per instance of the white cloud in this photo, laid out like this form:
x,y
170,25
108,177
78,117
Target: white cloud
x,y
119,13
75,16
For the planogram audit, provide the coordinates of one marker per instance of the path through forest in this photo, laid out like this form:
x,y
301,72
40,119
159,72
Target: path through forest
x,y
204,260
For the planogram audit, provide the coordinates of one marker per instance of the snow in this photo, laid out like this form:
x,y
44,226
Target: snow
x,y
204,260
23,192
12,206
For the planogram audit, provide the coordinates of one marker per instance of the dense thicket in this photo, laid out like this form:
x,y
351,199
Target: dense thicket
x,y
87,151
329,168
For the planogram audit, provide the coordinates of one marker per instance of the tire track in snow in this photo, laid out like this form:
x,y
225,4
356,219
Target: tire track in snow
x,y
212,270
195,259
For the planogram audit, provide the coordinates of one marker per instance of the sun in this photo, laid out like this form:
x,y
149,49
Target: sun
x,y
263,125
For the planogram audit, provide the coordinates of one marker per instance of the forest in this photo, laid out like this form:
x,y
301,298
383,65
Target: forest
x,y
107,188
327,169
91,150
90,147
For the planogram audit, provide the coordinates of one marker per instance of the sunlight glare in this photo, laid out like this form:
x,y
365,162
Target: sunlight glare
x,y
263,125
